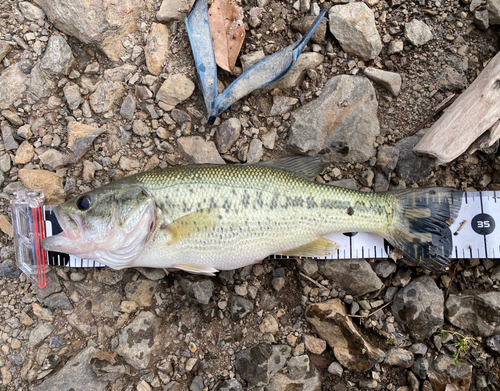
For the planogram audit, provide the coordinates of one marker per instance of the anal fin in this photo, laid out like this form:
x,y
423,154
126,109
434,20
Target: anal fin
x,y
321,247
207,271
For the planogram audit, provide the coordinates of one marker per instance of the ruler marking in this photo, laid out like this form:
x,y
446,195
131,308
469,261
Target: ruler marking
x,y
484,236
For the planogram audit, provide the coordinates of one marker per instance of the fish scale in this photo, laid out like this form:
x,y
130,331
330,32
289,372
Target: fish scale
x,y
254,206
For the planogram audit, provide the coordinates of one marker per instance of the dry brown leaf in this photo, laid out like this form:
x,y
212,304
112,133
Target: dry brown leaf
x,y
228,32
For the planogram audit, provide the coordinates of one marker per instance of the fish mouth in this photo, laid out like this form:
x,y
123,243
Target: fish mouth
x,y
71,226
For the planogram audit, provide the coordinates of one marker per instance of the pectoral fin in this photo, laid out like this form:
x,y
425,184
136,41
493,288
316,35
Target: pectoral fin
x,y
196,223
319,248
207,271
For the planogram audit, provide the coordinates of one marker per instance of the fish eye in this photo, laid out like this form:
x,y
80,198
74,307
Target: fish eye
x,y
83,203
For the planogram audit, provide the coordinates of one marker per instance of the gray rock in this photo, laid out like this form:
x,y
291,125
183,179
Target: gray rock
x,y
108,276
349,183
38,87
399,357
25,131
368,384
267,301
58,300
152,274
282,105
17,359
76,375
105,95
72,95
355,276
411,168
338,133
353,25
420,367
494,343
120,74
493,7
106,304
269,138
197,384
141,291
335,369
180,117
227,134
381,183
481,19
5,163
240,307
451,80
53,159
396,46
58,58
302,25
140,128
143,93
389,80
8,269
101,24
419,307
302,375
384,268
30,11
137,341
38,334
25,64
81,137
417,32
12,117
175,89
229,385
258,364
198,151
475,311
8,139
444,372
418,348
81,318
198,290
255,151
366,178
495,272
309,267
12,86
171,10
128,107
53,286
387,159
297,74
249,60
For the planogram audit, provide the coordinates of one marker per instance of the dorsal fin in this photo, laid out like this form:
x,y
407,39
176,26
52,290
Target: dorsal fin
x,y
306,167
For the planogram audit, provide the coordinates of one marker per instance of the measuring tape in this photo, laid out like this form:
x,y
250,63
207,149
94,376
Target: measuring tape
x,y
473,234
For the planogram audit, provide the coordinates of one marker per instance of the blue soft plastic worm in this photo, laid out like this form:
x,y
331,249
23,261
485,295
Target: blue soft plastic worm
x,y
265,72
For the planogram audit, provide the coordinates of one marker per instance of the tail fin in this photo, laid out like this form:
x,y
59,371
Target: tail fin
x,y
421,222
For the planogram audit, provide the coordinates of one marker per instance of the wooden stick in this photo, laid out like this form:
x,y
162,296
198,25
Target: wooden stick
x,y
472,114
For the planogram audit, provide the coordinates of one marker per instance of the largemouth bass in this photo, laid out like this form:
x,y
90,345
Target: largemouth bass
x,y
205,218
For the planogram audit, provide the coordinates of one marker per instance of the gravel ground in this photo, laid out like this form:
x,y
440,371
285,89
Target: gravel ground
x,y
83,104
